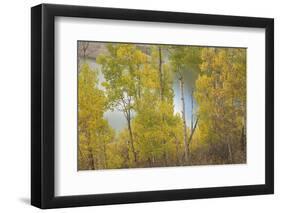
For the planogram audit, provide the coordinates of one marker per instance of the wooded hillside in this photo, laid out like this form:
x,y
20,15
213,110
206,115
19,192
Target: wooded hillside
x,y
141,81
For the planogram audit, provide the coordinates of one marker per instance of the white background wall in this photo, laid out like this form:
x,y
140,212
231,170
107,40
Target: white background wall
x,y
15,105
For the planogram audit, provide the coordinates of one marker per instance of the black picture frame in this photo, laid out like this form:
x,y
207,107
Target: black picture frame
x,y
43,105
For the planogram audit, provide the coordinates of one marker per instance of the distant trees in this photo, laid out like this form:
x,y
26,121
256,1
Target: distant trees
x,y
83,47
138,81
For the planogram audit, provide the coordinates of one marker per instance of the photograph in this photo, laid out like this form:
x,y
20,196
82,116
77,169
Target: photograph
x,y
160,105
133,105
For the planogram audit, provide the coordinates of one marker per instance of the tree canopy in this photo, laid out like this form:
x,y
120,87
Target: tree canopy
x,y
141,82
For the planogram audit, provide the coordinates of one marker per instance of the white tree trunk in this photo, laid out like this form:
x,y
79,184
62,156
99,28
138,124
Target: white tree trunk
x,y
186,148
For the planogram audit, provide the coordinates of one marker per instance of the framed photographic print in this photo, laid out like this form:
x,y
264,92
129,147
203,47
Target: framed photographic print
x,y
139,106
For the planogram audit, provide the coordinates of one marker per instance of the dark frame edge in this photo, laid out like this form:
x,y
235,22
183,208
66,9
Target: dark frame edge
x,y
36,50
269,105
42,108
158,196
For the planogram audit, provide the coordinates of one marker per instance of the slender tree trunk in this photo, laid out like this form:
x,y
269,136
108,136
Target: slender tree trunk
x,y
81,153
165,157
91,160
243,143
104,155
126,155
132,139
177,151
230,156
191,109
138,86
149,162
161,74
85,46
83,159
161,81
186,145
192,132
